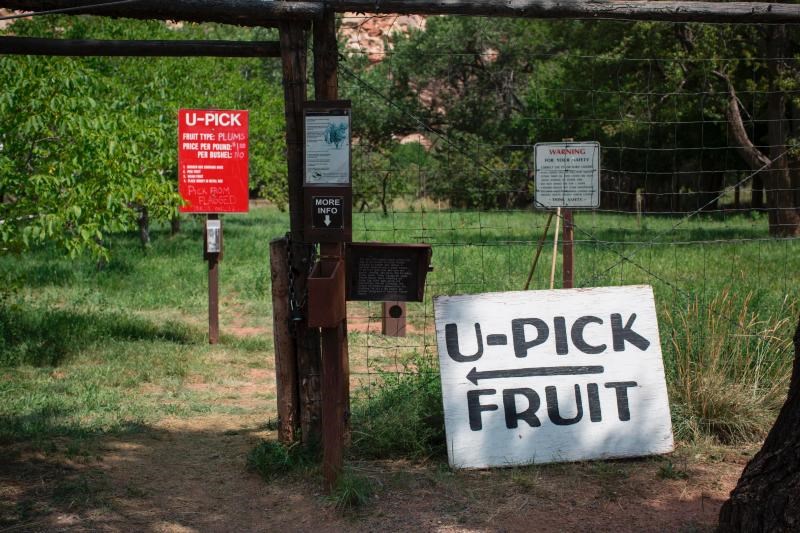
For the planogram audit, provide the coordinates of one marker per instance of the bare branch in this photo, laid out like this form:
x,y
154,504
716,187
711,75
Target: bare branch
x,y
752,155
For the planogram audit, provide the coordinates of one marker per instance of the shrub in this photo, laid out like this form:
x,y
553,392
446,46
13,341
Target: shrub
x,y
404,416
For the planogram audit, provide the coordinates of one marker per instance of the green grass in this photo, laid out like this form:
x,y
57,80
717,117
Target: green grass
x,y
272,459
87,352
352,491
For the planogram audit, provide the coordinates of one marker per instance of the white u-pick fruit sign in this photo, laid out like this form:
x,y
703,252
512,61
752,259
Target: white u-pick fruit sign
x,y
548,376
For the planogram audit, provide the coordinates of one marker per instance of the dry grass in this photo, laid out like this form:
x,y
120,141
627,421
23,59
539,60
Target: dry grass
x,y
730,368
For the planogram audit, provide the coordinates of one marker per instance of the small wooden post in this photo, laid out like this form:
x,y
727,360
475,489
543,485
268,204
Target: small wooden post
x,y
285,354
555,249
568,258
393,319
213,286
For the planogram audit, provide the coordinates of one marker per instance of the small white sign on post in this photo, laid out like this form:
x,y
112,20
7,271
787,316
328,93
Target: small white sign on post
x,y
213,236
567,174
549,376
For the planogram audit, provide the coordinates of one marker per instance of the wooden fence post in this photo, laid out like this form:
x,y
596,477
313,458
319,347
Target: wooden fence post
x,y
335,359
293,55
285,353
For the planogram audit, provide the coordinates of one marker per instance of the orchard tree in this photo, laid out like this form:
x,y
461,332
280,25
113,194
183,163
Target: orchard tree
x,y
88,146
73,170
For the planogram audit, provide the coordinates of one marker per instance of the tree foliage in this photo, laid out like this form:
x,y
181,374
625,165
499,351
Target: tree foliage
x,y
656,95
88,143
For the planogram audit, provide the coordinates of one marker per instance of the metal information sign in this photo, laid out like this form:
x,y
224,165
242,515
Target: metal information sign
x,y
387,272
327,212
548,376
567,174
213,160
327,143
328,194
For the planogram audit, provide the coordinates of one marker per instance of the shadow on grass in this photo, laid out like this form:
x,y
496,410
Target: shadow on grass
x,y
38,428
46,337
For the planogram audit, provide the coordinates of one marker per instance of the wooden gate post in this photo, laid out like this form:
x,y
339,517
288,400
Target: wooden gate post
x,y
335,361
567,249
293,55
285,352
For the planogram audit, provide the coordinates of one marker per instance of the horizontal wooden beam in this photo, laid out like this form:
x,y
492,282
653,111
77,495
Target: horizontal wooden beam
x,y
64,47
270,12
238,12
674,11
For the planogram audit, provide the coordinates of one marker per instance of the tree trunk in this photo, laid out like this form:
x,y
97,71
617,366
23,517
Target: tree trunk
x,y
794,172
784,217
175,225
784,220
767,497
144,227
757,193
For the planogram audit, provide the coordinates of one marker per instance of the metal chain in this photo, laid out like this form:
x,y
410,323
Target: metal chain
x,y
311,262
296,306
293,308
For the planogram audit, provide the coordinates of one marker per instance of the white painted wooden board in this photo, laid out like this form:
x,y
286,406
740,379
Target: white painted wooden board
x,y
550,348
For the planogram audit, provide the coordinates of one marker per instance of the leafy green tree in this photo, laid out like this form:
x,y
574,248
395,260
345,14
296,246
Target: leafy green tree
x,y
89,145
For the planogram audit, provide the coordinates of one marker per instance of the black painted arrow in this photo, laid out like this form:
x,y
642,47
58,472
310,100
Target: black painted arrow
x,y
474,375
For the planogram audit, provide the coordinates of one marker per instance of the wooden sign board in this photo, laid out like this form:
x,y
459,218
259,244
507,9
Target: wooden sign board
x,y
381,271
549,376
567,174
213,160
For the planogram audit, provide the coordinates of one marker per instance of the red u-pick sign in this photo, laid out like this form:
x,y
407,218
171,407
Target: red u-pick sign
x,y
213,160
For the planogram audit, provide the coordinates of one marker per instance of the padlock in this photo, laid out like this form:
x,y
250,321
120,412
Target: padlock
x,y
295,315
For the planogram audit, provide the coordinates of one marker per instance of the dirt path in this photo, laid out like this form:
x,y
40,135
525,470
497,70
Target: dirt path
x,y
189,474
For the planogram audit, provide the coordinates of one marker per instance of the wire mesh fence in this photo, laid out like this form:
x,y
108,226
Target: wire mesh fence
x,y
700,179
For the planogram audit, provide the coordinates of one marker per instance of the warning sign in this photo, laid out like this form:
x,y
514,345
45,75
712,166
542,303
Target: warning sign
x,y
567,174
547,376
213,160
327,212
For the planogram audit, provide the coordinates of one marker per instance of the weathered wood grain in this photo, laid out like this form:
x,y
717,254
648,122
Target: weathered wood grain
x,y
285,353
65,47
239,12
634,10
269,13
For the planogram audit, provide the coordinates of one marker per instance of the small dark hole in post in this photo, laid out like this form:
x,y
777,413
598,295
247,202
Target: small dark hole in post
x,y
395,311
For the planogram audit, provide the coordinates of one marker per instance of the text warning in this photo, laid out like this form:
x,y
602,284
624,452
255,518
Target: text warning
x,y
548,376
327,212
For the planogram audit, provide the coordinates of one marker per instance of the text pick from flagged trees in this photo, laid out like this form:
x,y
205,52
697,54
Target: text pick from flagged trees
x,y
548,376
213,160
567,174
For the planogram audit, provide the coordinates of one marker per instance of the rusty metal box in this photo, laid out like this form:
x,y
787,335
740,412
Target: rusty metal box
x,y
326,303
